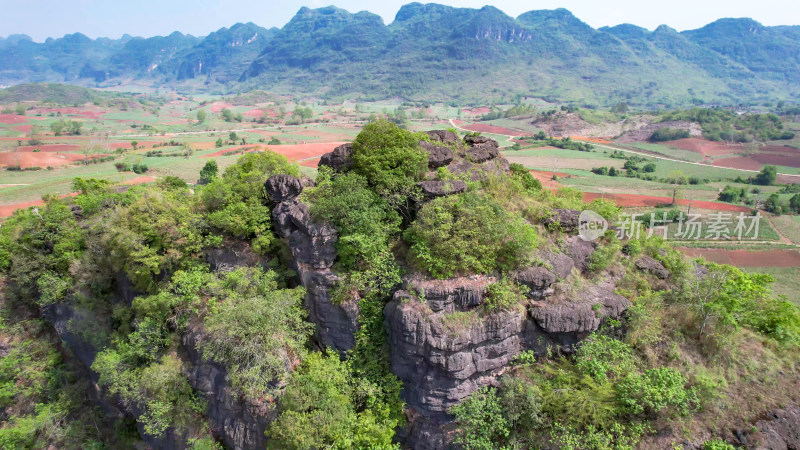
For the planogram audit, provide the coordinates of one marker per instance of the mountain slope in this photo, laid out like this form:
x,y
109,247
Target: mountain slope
x,y
224,54
436,52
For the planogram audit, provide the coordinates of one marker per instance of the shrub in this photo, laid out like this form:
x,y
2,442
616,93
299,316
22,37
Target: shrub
x,y
390,158
529,182
604,256
322,407
209,171
257,331
482,424
717,444
236,202
365,222
468,233
503,295
669,134
767,176
657,391
602,358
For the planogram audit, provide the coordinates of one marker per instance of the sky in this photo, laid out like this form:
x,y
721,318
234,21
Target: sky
x,y
113,18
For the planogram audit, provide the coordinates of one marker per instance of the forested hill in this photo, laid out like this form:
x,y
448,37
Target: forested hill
x,y
438,52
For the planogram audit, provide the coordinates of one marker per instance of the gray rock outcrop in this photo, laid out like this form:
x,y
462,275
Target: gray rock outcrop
x,y
438,188
313,254
443,136
339,159
444,346
650,265
438,156
780,430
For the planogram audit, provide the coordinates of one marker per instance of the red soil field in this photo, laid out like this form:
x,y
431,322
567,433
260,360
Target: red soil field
x,y
28,159
778,159
12,118
7,210
217,107
744,258
310,163
50,148
304,151
483,128
249,147
547,178
256,113
24,128
140,180
596,140
483,110
740,162
634,200
704,147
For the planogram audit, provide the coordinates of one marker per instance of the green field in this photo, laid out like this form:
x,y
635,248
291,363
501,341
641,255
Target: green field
x,y
787,280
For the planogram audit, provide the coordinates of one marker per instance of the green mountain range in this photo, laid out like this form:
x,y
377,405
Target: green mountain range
x,y
436,52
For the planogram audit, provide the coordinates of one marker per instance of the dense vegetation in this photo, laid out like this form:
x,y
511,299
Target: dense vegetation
x,y
725,125
681,361
133,266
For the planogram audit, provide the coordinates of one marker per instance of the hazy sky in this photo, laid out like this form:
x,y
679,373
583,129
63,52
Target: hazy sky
x,y
112,18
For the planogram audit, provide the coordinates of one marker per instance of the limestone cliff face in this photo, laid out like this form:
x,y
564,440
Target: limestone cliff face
x,y
240,424
313,254
444,346
236,422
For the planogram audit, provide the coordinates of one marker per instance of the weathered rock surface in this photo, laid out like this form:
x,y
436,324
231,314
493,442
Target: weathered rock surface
x,y
444,349
313,254
339,159
438,188
579,251
565,219
238,423
438,156
560,263
443,136
779,431
652,266
283,187
582,313
449,295
232,254
536,279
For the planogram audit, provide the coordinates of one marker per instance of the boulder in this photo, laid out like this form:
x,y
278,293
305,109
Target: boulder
x,y
438,156
579,251
484,141
283,187
566,219
443,136
480,155
652,266
436,188
339,159
582,314
780,430
560,263
536,279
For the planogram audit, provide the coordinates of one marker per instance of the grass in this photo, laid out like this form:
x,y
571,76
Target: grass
x,y
670,152
787,280
789,226
765,231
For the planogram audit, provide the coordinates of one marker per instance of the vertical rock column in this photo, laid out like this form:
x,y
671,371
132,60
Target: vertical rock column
x,y
313,254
